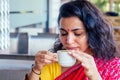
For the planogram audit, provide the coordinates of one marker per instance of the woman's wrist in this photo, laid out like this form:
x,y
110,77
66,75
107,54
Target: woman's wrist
x,y
36,70
95,77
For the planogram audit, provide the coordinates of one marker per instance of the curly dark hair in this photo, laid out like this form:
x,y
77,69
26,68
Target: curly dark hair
x,y
99,31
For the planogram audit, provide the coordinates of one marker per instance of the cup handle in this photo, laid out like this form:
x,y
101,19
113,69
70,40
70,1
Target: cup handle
x,y
56,56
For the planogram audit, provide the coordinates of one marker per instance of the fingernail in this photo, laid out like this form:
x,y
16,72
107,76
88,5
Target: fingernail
x,y
55,57
70,52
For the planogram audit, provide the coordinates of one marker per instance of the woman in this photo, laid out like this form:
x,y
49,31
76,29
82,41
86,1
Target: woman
x,y
88,36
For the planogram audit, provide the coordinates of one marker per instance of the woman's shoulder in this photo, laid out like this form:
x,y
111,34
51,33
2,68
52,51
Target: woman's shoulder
x,y
113,67
111,64
109,69
114,61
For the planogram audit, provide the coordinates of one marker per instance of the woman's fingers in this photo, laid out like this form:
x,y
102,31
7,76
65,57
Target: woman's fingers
x,y
77,55
46,61
85,59
42,58
45,57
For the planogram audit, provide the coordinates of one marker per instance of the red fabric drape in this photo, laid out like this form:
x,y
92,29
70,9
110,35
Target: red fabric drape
x,y
109,70
74,73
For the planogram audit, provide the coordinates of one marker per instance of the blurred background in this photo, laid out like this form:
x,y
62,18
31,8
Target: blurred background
x,y
27,26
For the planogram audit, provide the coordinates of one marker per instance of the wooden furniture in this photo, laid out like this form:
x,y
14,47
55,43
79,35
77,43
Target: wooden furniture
x,y
115,21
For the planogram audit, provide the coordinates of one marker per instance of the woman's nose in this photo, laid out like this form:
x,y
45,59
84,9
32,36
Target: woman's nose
x,y
70,39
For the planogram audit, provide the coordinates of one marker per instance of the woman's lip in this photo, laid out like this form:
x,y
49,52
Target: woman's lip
x,y
71,48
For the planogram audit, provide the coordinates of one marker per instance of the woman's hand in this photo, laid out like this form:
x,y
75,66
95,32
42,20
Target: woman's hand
x,y
87,61
42,58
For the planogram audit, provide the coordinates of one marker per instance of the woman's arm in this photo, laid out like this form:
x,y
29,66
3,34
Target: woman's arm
x,y
34,74
87,61
41,59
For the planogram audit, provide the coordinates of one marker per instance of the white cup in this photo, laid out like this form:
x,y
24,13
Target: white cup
x,y
64,59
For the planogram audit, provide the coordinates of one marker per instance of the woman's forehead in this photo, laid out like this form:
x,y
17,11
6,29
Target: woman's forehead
x,y
71,23
73,29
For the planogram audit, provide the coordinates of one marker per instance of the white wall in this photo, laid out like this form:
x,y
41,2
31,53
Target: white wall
x,y
39,8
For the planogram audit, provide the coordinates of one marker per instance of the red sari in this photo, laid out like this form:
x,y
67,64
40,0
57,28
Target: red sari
x,y
109,70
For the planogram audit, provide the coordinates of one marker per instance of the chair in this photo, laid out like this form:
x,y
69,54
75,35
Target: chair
x,y
41,42
22,43
13,43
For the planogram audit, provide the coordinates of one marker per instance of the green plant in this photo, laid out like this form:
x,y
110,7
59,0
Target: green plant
x,y
117,6
101,4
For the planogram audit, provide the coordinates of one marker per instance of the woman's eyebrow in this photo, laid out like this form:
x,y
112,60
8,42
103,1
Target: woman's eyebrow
x,y
62,29
72,29
77,29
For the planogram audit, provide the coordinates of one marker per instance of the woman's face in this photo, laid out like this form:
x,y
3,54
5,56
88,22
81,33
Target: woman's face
x,y
72,34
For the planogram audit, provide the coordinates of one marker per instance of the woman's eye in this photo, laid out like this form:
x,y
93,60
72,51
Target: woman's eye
x,y
63,34
78,34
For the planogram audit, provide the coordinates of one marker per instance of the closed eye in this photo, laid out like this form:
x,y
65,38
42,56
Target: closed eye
x,y
78,34
64,34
